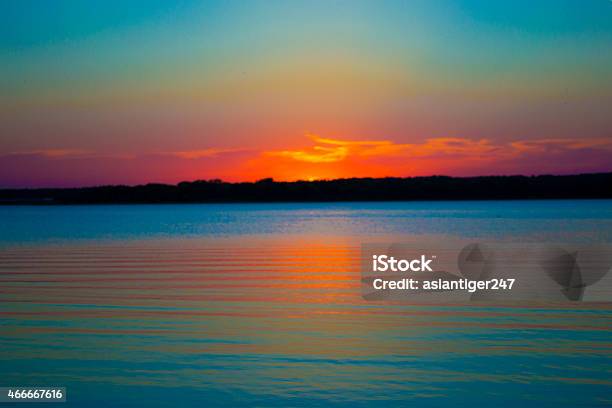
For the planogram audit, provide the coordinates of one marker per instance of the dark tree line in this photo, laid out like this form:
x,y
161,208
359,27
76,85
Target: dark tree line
x,y
355,189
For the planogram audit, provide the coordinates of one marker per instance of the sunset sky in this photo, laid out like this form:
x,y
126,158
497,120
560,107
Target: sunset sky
x,y
159,91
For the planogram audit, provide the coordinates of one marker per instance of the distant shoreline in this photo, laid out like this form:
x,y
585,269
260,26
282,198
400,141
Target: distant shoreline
x,y
433,188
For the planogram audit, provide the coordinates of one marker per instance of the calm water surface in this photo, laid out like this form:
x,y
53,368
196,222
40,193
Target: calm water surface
x,y
205,305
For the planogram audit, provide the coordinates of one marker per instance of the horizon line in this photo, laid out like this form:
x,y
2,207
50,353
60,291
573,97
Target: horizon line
x,y
317,180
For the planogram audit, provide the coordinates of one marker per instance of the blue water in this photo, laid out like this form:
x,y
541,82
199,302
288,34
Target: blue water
x,y
589,220
260,304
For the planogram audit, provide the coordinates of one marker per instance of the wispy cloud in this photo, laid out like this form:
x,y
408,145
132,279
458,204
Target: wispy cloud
x,y
326,150
203,153
52,153
331,151
556,145
78,153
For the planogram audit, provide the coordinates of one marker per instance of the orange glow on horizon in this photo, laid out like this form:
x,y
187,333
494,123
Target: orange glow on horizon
x,y
316,158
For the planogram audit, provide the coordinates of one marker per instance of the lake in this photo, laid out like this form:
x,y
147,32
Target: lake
x,y
260,304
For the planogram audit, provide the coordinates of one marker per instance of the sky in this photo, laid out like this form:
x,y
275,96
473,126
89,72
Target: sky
x,y
116,92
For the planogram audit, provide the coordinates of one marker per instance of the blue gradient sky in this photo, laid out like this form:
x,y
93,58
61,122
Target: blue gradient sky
x,y
152,91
